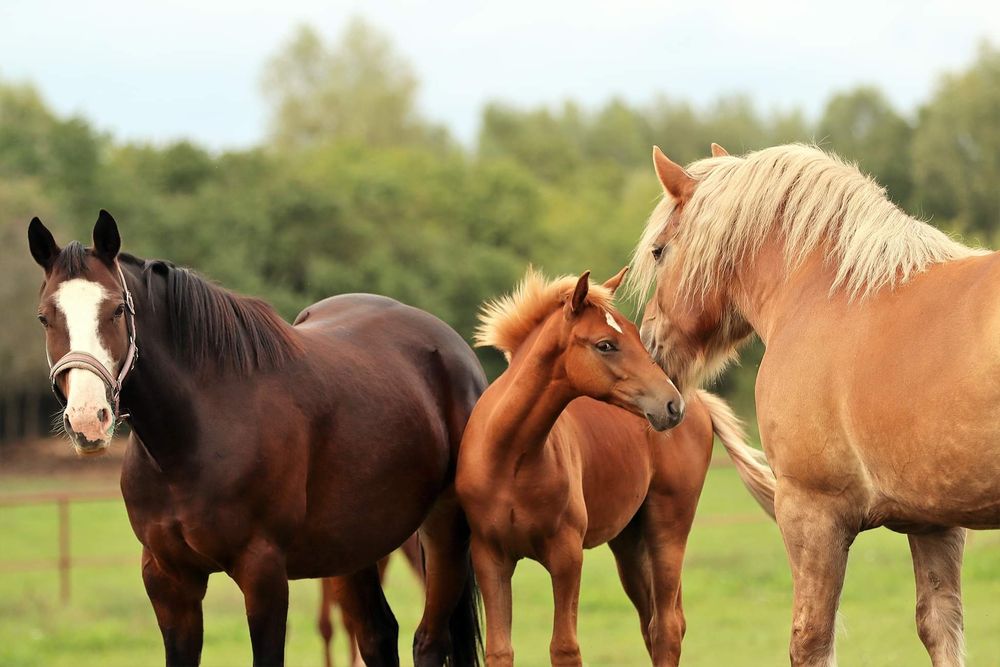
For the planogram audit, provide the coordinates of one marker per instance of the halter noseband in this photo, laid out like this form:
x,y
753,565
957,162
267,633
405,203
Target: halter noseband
x,y
88,362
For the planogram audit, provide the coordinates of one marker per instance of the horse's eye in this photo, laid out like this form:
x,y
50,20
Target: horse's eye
x,y
657,252
119,311
605,346
44,320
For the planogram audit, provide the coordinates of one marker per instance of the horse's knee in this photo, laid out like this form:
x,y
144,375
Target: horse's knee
x,y
940,625
812,643
430,649
325,627
500,658
379,645
565,653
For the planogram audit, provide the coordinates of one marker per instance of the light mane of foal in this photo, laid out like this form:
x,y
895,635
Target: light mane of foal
x,y
507,321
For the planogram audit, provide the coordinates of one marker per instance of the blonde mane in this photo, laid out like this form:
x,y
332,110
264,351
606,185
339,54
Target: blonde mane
x,y
814,200
505,322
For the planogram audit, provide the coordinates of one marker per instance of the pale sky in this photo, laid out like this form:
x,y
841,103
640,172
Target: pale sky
x,y
190,69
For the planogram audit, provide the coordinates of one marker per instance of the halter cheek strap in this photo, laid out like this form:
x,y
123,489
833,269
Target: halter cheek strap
x,y
88,362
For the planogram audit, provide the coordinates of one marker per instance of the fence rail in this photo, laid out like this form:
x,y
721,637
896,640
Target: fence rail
x,y
64,561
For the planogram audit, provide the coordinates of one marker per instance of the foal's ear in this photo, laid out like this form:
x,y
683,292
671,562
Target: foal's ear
x,y
107,241
719,151
42,244
673,178
614,281
579,294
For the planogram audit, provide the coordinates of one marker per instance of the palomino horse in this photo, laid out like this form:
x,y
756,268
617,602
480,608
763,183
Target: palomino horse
x,y
870,318
333,589
545,471
265,450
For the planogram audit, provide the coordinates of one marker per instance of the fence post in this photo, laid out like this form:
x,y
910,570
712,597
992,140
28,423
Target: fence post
x,y
64,562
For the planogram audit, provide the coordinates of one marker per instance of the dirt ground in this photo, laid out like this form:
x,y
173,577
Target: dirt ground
x,y
54,458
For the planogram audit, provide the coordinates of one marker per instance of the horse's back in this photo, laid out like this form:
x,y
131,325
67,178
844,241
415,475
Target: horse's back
x,y
382,328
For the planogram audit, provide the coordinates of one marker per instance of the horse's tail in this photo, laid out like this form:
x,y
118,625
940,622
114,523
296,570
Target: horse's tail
x,y
750,463
464,625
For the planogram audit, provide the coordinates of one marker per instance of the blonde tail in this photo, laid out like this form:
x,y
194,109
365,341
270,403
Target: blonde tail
x,y
750,463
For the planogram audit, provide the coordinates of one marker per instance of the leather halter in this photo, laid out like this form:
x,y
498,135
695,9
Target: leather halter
x,y
88,362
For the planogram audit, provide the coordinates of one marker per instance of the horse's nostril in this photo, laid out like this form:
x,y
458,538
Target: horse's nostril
x,y
673,409
66,425
102,416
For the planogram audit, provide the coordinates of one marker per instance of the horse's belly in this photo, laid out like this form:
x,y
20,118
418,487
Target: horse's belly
x,y
613,499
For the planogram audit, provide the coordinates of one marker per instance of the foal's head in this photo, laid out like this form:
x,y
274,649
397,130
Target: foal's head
x,y
82,309
571,327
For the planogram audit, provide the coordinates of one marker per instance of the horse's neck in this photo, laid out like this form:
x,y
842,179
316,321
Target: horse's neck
x,y
531,401
764,291
159,393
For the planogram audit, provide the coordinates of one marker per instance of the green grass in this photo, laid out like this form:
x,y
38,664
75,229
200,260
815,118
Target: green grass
x,y
737,596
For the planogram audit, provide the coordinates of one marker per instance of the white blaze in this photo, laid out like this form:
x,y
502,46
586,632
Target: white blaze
x,y
611,321
79,301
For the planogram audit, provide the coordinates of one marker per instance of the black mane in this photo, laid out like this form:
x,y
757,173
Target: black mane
x,y
211,326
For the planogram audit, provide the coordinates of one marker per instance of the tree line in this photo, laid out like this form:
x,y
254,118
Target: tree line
x,y
353,189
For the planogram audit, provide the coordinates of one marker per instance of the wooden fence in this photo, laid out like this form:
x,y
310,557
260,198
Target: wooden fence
x,y
64,560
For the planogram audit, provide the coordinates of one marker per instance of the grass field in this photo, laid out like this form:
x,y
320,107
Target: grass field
x,y
737,593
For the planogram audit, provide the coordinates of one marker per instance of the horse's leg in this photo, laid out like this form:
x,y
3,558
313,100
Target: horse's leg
x,y
260,573
324,623
176,599
564,561
369,619
445,537
817,542
635,573
494,570
411,550
937,566
667,524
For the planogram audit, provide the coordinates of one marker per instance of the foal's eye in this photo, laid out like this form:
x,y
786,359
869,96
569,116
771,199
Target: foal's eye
x,y
605,346
44,320
657,252
119,311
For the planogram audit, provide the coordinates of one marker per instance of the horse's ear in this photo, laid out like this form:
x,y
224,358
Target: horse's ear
x,y
614,281
579,294
42,244
107,241
673,178
719,151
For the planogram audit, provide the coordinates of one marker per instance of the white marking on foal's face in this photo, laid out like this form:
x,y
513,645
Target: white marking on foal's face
x,y
80,302
611,321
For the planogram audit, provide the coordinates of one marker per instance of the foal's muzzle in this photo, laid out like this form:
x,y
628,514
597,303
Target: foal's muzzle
x,y
668,417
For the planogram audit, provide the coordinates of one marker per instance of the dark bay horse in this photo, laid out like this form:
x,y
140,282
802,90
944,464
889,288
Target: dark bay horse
x,y
267,451
551,464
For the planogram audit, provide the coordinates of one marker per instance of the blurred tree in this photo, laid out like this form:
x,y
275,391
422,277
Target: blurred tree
x,y
539,140
356,192
861,125
358,89
956,150
23,368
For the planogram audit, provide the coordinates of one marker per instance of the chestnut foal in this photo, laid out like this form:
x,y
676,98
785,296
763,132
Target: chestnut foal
x,y
544,476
